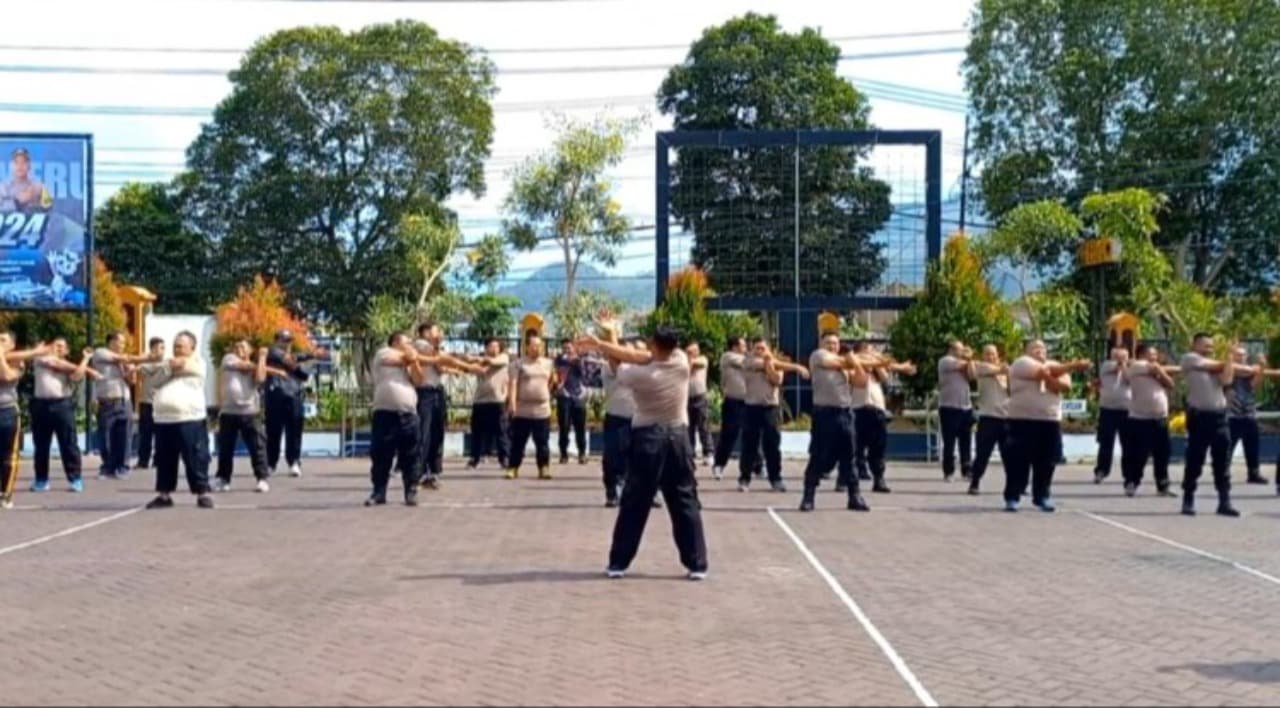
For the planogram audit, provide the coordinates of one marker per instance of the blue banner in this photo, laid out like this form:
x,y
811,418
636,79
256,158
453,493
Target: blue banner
x,y
44,222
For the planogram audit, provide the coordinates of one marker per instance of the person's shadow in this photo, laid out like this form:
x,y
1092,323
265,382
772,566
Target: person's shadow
x,y
1247,671
527,576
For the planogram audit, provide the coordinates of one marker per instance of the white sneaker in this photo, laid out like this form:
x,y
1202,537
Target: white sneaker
x,y
263,487
221,486
295,470
6,503
698,575
717,473
744,486
614,573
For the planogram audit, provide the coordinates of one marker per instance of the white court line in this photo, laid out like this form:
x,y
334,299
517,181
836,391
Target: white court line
x,y
68,532
1184,547
904,671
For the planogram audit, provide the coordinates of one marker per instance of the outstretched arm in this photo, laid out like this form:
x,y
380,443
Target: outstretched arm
x,y
614,351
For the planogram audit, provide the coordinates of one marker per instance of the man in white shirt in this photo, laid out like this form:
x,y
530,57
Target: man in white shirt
x,y
1207,430
488,409
1113,411
1036,385
699,421
1148,423
53,413
182,433
733,388
111,394
992,375
661,457
239,405
832,441
955,408
394,439
764,373
870,412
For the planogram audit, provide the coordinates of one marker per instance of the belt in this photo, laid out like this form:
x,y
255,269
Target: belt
x,y
117,399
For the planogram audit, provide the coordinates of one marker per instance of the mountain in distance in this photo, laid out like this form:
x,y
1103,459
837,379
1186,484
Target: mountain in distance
x,y
536,290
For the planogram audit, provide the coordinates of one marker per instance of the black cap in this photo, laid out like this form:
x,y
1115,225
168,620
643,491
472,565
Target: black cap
x,y
20,152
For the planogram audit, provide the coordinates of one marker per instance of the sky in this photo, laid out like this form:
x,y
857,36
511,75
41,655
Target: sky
x,y
921,91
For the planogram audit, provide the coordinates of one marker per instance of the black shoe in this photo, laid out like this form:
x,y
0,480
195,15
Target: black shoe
x,y
472,464
1130,489
1163,490
841,487
411,496
611,502
160,503
778,487
1098,476
204,501
864,476
582,459
564,459
376,499
1225,509
806,504
1256,478
880,487
973,488
1188,506
432,483
965,473
857,503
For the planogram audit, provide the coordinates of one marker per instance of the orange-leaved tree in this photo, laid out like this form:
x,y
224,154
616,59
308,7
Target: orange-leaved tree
x,y
256,313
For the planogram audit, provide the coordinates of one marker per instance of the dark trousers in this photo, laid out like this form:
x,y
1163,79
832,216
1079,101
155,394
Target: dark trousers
x,y
572,413
393,440
871,431
1145,439
284,417
55,418
832,441
699,426
1035,446
1207,433
113,435
489,432
1111,425
146,433
617,451
956,424
661,458
232,427
1245,430
10,439
992,432
521,430
431,424
760,429
188,443
732,412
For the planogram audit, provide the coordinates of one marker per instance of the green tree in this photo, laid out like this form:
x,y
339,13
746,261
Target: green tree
x,y
1177,96
492,316
747,74
563,196
140,233
326,141
489,261
957,303
574,314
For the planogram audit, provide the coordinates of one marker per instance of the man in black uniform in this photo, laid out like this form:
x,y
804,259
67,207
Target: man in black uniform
x,y
284,403
571,401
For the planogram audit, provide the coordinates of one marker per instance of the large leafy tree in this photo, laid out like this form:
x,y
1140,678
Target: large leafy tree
x,y
140,233
327,140
748,74
1177,96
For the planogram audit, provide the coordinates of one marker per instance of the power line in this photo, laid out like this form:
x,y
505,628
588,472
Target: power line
x,y
117,49
200,112
519,71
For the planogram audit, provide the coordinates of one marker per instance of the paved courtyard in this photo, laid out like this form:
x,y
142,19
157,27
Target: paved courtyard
x,y
492,593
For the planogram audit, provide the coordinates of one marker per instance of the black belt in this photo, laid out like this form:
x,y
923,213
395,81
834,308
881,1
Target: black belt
x,y
119,399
